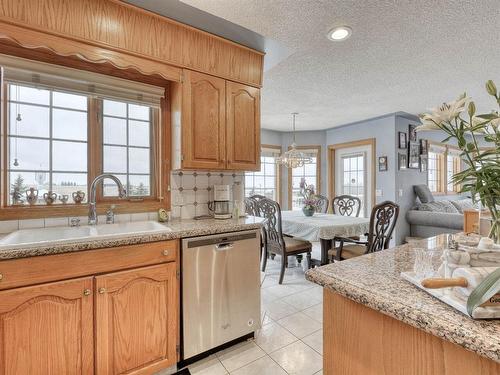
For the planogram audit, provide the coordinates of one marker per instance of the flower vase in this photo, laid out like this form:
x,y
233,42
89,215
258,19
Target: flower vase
x,y
308,210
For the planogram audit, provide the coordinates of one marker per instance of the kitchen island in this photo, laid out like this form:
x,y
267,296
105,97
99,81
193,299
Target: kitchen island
x,y
377,323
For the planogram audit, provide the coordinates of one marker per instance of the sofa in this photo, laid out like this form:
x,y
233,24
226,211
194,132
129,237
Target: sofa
x,y
430,217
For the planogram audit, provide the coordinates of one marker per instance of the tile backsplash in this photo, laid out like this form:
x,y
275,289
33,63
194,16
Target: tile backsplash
x,y
191,190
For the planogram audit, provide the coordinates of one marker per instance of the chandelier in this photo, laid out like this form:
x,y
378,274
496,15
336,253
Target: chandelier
x,y
293,158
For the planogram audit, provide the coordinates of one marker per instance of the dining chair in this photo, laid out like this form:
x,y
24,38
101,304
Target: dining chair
x,y
346,205
251,207
382,222
276,243
321,204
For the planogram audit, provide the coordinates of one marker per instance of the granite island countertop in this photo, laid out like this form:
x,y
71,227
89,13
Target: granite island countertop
x,y
174,229
374,280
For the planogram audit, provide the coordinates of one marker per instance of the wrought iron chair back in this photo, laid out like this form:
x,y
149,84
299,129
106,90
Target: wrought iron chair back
x,y
251,206
271,210
321,204
382,222
346,205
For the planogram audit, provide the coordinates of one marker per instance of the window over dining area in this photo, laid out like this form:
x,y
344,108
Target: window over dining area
x,y
310,172
63,127
267,181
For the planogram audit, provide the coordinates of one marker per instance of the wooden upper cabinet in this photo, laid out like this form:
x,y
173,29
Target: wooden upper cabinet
x,y
136,320
203,122
47,329
242,127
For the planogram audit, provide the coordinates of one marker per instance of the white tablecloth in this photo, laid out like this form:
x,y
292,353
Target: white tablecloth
x,y
326,226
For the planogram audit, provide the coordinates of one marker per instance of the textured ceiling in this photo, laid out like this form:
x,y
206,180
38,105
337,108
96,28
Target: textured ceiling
x,y
402,56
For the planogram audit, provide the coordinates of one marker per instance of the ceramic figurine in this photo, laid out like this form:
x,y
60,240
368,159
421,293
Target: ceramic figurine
x,y
64,198
32,196
50,197
78,196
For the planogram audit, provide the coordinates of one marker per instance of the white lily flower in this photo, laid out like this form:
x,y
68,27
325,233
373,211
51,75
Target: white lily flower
x,y
428,123
448,111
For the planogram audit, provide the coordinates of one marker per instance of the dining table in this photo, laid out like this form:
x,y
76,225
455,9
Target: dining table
x,y
323,228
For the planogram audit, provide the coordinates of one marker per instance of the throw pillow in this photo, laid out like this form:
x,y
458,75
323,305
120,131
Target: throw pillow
x,y
439,206
423,193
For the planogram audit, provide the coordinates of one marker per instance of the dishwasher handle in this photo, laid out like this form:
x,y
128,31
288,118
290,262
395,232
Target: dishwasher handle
x,y
224,246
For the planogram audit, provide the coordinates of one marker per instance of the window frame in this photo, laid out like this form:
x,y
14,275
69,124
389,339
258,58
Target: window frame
x,y
279,170
443,168
160,166
317,148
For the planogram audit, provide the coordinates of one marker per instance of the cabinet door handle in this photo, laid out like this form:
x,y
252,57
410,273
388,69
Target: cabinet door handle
x,y
102,290
87,292
165,252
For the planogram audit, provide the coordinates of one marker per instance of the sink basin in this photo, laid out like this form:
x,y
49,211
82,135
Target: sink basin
x,y
43,235
130,228
60,235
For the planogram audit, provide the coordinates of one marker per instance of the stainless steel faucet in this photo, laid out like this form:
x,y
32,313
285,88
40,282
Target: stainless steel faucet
x,y
92,205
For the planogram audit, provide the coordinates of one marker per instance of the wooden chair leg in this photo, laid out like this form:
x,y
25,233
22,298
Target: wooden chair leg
x,y
283,266
308,256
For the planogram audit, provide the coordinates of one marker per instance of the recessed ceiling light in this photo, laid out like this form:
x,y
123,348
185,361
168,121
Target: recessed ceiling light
x,y
340,33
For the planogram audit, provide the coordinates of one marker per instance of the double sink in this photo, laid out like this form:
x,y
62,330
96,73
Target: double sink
x,y
61,235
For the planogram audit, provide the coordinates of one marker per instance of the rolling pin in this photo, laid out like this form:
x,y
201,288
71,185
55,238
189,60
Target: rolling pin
x,y
465,280
438,283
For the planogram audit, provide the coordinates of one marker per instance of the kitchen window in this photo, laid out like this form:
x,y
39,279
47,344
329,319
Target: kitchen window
x,y
310,172
265,182
61,131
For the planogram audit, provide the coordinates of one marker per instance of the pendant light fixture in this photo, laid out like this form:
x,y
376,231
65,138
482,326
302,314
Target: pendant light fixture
x,y
293,158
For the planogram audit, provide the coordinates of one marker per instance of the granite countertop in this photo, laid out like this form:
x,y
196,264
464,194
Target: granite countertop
x,y
174,229
374,281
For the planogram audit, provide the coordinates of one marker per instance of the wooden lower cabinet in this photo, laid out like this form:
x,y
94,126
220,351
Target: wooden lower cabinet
x,y
136,320
117,315
47,329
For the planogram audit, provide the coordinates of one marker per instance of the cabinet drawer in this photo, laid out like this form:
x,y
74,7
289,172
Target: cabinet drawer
x,y
35,270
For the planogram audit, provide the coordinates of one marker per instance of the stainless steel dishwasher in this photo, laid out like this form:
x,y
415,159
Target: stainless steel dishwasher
x,y
220,289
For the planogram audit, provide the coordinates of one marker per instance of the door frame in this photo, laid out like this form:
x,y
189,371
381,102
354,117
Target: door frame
x,y
318,171
331,164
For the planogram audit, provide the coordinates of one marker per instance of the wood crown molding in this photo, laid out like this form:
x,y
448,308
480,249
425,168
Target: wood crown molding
x,y
65,47
127,36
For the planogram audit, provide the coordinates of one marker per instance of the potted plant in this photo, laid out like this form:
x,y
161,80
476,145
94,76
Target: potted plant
x,y
310,200
481,173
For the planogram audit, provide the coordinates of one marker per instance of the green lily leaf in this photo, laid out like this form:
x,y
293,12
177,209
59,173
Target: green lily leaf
x,y
484,291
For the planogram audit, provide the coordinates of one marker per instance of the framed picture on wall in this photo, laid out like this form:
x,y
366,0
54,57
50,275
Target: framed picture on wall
x,y
403,144
423,163
382,163
412,133
424,146
414,155
402,161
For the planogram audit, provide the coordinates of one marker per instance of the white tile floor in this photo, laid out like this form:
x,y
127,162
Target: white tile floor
x,y
290,340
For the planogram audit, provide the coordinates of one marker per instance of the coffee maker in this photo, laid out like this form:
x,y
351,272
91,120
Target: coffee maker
x,y
220,205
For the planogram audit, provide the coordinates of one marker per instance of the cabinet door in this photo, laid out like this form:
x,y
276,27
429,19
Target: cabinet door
x,y
243,127
136,320
204,121
47,329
